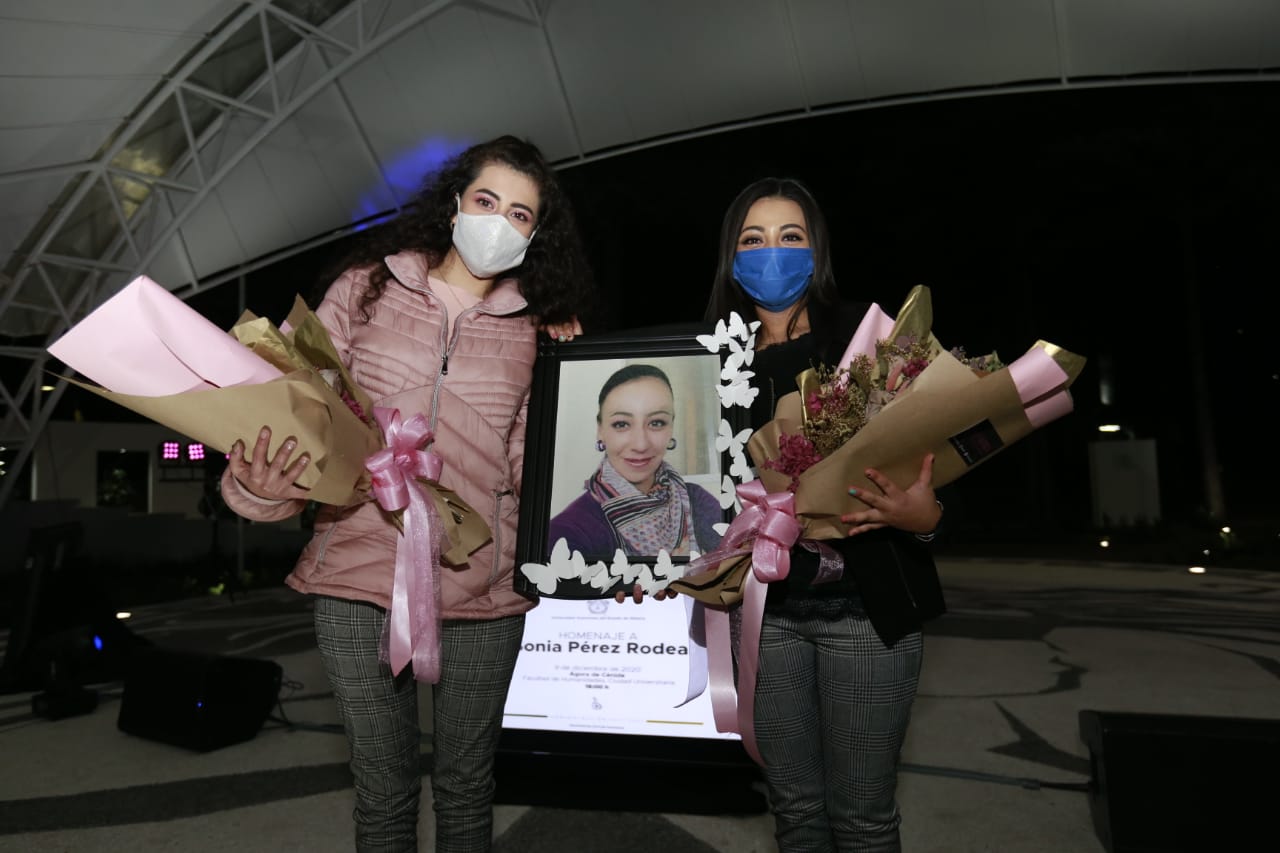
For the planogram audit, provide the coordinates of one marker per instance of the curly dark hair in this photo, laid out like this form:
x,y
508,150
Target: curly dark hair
x,y
727,295
554,277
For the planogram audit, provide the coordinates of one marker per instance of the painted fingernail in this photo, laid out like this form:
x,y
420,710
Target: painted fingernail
x,y
853,492
562,339
289,445
265,433
304,460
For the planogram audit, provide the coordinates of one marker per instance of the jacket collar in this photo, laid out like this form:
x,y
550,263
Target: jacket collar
x,y
411,268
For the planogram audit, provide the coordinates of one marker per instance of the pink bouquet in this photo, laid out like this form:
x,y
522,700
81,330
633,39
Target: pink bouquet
x,y
155,355
152,353
897,395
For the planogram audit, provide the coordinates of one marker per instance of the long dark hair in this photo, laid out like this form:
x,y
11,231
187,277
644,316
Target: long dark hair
x,y
727,295
554,276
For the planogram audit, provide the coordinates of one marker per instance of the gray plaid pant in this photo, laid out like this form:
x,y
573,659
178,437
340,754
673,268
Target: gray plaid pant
x,y
831,708
380,715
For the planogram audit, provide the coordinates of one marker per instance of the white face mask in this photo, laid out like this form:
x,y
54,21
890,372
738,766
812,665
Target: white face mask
x,y
488,244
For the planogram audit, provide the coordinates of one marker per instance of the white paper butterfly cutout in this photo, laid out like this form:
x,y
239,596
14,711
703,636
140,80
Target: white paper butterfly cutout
x,y
734,329
739,392
729,494
739,329
715,341
738,358
602,579
562,566
728,442
664,569
623,570
646,580
740,469
543,576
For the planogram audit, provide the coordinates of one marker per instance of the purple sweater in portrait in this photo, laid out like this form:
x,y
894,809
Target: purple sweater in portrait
x,y
583,526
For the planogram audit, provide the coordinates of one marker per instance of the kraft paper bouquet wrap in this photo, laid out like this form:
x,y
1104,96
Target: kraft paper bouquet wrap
x,y
153,354
962,410
895,396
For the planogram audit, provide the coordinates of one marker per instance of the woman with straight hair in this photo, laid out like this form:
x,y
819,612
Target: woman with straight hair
x,y
839,659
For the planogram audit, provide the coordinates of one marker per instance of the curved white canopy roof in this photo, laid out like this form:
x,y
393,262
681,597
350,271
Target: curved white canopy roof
x,y
192,141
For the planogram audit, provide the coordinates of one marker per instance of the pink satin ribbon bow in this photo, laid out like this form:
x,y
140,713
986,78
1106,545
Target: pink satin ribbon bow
x,y
413,624
769,519
766,528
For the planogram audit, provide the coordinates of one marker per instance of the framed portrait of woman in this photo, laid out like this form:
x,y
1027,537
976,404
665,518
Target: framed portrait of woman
x,y
630,461
623,469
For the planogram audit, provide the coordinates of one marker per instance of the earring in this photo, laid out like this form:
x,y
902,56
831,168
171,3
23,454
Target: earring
x,y
600,445
671,445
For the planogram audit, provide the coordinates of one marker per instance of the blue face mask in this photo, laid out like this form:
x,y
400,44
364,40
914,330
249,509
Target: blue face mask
x,y
774,278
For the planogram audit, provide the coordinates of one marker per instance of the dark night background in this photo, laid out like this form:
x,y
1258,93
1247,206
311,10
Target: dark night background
x,y
1134,226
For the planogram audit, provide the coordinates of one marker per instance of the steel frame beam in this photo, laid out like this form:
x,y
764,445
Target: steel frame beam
x,y
110,269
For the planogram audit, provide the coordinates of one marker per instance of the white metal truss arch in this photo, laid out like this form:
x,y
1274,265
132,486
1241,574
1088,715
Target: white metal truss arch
x,y
351,33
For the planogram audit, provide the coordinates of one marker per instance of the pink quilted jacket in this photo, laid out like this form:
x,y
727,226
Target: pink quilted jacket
x,y
475,391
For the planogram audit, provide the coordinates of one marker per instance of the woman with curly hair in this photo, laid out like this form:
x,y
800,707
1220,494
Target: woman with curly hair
x,y
436,314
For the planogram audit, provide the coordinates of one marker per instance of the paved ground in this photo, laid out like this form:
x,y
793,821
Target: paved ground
x,y
994,760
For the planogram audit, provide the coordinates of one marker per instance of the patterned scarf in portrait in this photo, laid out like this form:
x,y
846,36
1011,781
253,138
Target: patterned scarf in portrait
x,y
645,522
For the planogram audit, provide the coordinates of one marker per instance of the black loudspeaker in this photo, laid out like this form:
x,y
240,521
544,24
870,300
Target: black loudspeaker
x,y
64,633
1182,783
64,629
200,702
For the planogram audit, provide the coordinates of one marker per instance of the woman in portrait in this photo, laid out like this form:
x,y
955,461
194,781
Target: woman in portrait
x,y
635,500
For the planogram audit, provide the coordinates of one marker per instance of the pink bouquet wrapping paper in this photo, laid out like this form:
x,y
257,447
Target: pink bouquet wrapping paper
x,y
150,352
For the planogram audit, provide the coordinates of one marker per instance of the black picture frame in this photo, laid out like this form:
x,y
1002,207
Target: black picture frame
x,y
547,737
567,379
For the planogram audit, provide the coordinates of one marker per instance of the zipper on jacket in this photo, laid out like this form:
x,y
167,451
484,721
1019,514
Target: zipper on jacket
x,y
444,358
447,344
324,544
496,527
